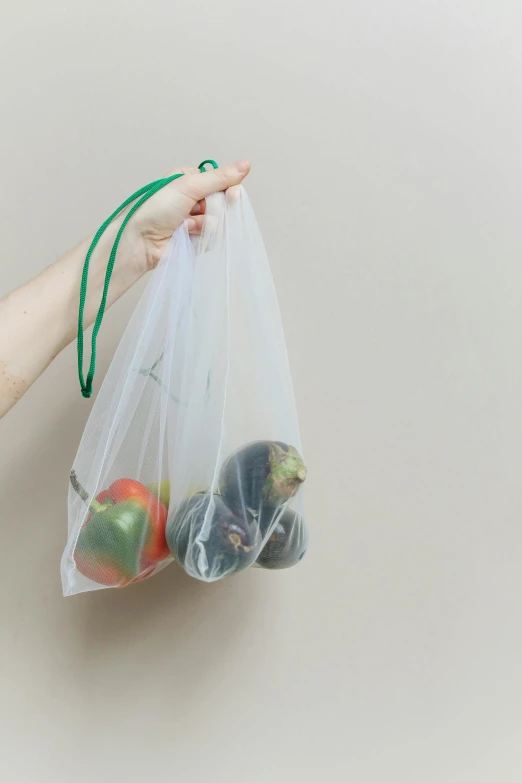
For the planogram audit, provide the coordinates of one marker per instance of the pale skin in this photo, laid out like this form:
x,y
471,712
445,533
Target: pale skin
x,y
39,319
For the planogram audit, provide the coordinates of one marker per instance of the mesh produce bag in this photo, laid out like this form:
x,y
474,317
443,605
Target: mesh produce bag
x,y
192,451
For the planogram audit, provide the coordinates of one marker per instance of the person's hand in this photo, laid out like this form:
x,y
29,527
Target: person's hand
x,y
181,200
40,318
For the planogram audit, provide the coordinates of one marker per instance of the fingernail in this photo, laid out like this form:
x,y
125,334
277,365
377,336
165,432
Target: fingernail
x,y
190,224
242,166
196,208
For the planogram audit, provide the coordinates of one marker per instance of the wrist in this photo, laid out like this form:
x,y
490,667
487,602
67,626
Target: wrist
x,y
131,261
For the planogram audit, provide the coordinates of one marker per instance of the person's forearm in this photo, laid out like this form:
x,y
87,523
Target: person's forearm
x,y
39,319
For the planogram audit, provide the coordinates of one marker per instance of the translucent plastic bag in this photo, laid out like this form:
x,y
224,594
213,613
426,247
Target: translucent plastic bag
x,y
192,449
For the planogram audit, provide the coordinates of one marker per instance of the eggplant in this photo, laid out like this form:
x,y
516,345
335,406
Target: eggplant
x,y
209,540
286,544
261,476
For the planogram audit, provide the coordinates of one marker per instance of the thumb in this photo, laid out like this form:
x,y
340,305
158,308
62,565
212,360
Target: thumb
x,y
198,186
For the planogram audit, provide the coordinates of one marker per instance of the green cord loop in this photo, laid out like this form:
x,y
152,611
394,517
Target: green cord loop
x,y
143,194
213,163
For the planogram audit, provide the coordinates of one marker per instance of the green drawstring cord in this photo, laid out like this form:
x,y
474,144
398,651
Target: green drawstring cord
x,y
142,195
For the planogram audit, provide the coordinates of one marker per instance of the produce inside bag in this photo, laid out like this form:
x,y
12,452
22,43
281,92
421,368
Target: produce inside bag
x,y
192,450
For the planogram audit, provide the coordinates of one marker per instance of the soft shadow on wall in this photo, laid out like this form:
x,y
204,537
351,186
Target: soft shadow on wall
x,y
112,627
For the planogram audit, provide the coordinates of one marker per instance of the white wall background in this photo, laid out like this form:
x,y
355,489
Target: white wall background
x,y
385,139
